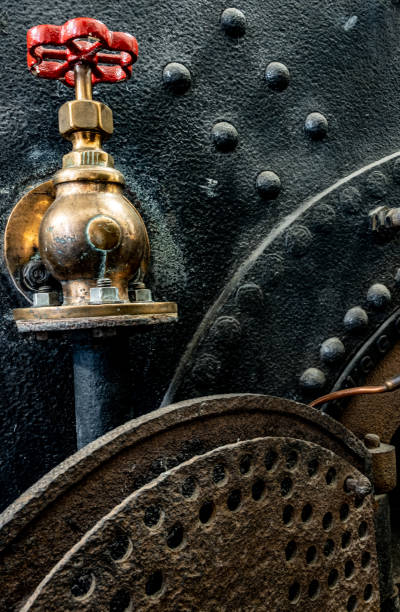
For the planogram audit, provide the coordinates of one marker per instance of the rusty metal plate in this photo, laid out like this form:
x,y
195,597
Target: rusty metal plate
x,y
56,512
50,517
264,524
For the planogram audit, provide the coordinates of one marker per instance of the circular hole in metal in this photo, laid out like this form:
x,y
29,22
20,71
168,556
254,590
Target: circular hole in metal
x,y
330,476
333,578
175,535
351,603
291,459
349,568
294,592
245,464
121,548
271,459
306,513
234,499
286,486
365,559
312,467
358,501
363,529
218,475
287,514
313,589
154,583
189,487
83,586
329,547
311,554
368,592
290,550
327,521
152,516
206,511
121,602
346,538
344,512
258,489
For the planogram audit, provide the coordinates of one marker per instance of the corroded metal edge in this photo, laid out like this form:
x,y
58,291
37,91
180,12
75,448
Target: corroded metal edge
x,y
79,465
93,310
30,326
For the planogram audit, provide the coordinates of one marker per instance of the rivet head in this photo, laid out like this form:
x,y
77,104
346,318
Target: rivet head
x,y
372,440
224,136
226,329
355,319
206,369
233,22
277,76
312,379
249,298
316,126
350,200
376,184
298,239
268,184
378,296
332,350
176,77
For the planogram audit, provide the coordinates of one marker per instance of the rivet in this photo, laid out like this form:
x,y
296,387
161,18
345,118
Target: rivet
x,y
378,296
224,136
316,126
176,77
249,297
350,200
355,319
277,76
372,440
226,329
376,184
298,240
323,218
206,368
312,379
332,350
233,22
268,184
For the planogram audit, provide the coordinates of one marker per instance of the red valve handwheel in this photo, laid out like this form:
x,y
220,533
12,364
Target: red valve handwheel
x,y
54,50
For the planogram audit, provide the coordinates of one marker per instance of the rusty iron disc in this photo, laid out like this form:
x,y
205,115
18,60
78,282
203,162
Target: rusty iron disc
x,y
264,524
57,511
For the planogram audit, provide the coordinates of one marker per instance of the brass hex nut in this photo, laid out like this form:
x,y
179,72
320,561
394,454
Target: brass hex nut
x,y
77,115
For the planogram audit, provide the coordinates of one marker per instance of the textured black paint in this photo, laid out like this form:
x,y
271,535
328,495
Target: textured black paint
x,y
202,208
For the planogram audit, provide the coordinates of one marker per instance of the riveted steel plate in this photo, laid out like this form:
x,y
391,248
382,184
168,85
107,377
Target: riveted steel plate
x,y
56,512
264,524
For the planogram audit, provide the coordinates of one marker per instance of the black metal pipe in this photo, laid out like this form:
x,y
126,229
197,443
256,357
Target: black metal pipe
x,y
102,386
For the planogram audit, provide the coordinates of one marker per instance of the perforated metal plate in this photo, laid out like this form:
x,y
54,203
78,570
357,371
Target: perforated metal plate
x,y
264,524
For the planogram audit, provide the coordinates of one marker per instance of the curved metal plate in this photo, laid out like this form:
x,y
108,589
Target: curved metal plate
x,y
21,239
264,524
51,516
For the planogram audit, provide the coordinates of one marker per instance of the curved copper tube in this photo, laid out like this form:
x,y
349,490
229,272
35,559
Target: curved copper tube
x,y
387,386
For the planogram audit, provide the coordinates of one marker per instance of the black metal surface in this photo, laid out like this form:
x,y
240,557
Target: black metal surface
x,y
260,282
101,387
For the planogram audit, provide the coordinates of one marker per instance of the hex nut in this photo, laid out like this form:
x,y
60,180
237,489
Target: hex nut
x,y
142,295
77,115
41,299
104,295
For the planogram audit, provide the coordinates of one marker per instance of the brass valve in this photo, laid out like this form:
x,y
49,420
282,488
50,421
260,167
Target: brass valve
x,y
90,238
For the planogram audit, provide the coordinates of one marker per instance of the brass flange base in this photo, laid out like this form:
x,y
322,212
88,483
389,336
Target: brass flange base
x,y
88,316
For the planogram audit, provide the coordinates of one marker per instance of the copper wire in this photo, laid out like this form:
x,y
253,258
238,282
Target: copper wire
x,y
387,386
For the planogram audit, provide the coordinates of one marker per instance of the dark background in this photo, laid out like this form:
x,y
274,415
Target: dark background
x,y
282,285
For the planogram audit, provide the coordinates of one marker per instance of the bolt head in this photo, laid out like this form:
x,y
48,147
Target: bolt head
x,y
104,295
45,299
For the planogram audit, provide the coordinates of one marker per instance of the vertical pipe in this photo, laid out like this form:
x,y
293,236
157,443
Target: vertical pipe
x,y
83,82
101,384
